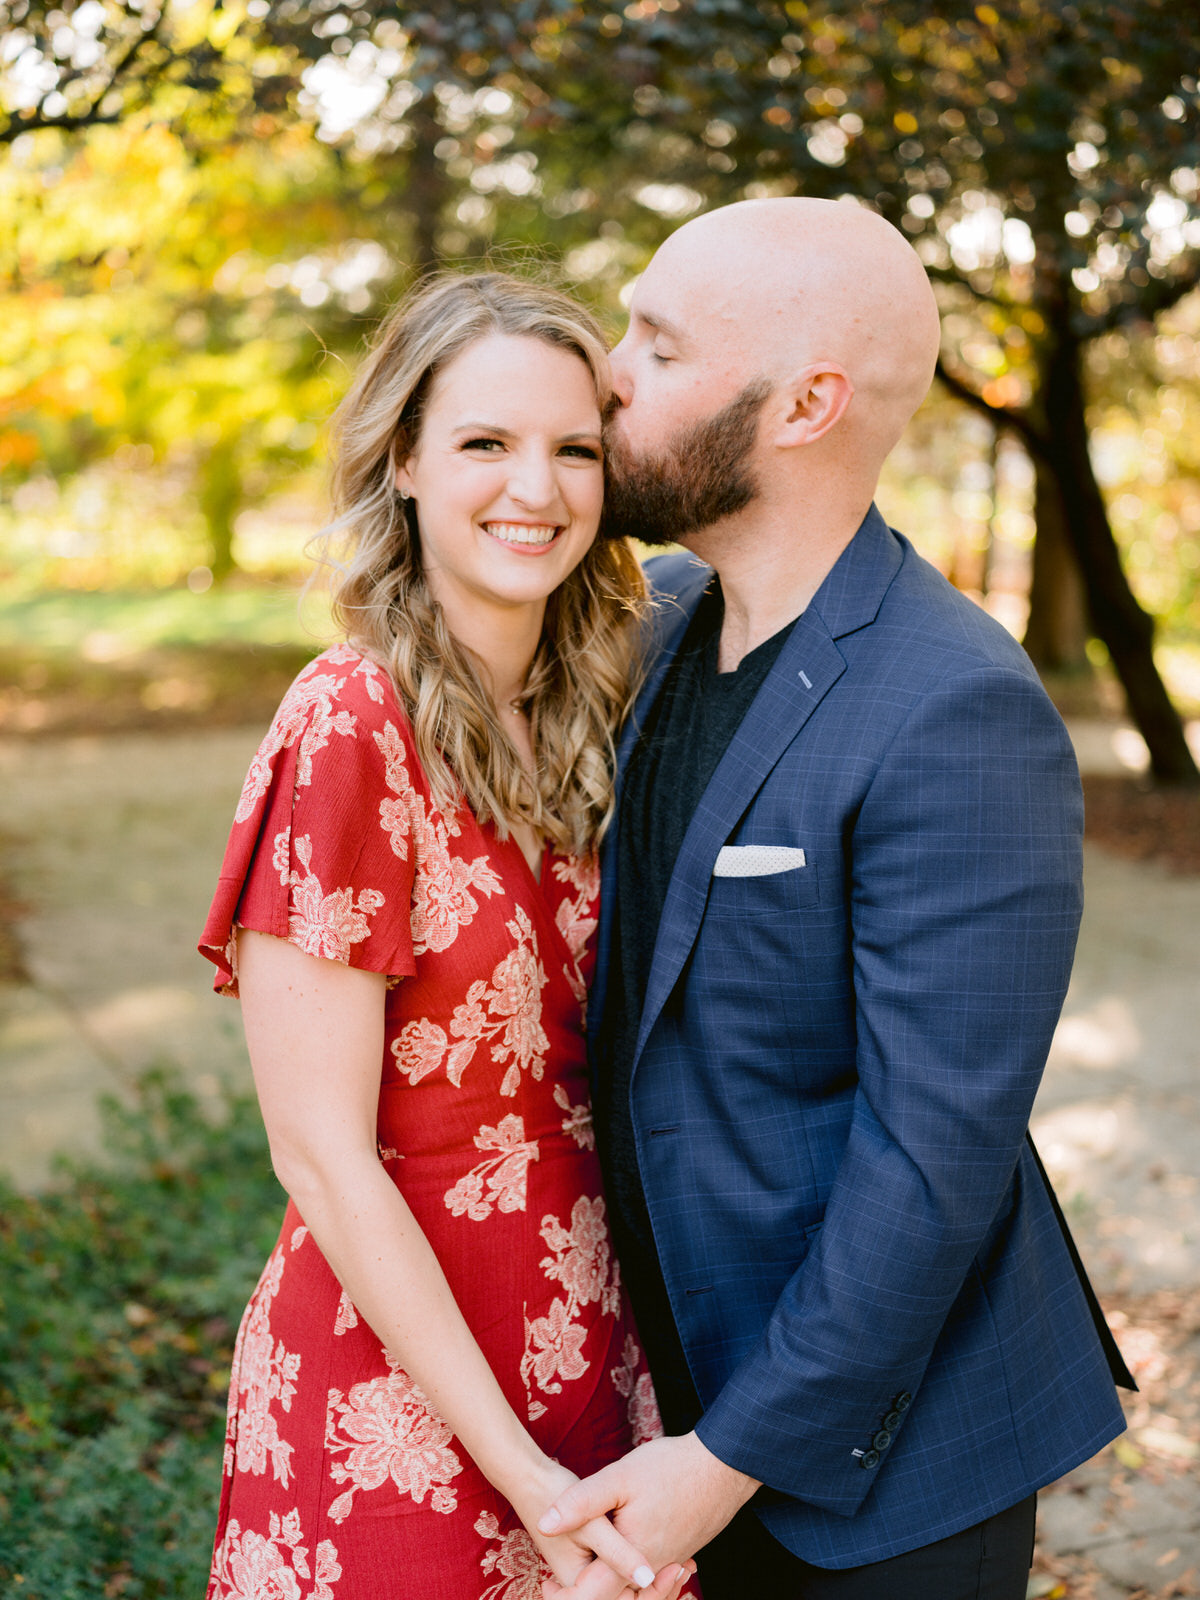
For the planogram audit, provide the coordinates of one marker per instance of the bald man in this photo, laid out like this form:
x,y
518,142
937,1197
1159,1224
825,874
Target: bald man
x,y
839,911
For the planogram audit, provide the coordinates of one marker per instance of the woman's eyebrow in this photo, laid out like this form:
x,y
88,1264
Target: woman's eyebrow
x,y
588,435
482,427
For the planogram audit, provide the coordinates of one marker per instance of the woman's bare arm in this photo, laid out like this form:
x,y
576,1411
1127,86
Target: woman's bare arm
x,y
315,1031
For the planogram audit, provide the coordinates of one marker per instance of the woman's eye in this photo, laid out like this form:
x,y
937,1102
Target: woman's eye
x,y
484,443
657,355
582,452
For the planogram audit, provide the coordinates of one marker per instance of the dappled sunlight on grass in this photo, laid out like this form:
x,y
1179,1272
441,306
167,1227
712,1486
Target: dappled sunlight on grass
x,y
113,624
79,661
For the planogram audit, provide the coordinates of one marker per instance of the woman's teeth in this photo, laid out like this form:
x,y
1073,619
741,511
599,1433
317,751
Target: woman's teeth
x,y
520,533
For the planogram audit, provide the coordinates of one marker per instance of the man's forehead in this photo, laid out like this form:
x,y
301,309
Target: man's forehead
x,y
689,306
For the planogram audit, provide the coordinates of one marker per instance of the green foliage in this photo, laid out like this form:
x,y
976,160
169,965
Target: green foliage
x,y
205,202
119,1297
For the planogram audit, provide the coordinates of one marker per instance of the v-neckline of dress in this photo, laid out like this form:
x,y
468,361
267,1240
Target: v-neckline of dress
x,y
538,885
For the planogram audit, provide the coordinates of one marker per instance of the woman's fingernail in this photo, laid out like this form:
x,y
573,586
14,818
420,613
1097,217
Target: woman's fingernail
x,y
643,1577
551,1522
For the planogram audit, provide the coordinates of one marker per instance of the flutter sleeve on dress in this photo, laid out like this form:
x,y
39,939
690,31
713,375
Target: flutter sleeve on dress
x,y
321,849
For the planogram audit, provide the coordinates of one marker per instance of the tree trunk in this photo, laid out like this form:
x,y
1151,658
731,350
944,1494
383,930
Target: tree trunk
x,y
427,188
1117,619
220,500
1056,633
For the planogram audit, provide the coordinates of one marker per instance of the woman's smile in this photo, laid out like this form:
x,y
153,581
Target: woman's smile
x,y
532,535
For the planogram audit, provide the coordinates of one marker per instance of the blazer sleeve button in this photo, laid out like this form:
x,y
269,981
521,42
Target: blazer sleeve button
x,y
892,1420
869,1458
902,1401
882,1439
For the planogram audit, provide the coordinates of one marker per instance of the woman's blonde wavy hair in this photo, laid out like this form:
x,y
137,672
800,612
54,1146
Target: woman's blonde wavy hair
x,y
582,677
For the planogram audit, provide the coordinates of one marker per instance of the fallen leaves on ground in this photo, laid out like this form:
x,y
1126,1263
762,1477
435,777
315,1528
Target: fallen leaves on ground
x,y
1159,1335
1142,823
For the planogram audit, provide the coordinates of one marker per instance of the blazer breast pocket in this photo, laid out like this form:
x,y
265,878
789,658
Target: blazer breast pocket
x,y
762,881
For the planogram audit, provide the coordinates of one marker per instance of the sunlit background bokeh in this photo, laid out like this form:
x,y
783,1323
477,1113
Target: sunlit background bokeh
x,y
204,209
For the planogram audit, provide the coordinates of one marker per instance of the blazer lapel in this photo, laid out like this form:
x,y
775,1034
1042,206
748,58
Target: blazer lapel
x,y
675,596
780,709
671,611
808,666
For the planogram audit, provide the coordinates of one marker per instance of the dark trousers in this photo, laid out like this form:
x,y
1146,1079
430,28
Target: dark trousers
x,y
987,1562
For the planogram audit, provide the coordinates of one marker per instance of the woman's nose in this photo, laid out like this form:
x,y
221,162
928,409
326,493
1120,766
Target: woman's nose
x,y
532,481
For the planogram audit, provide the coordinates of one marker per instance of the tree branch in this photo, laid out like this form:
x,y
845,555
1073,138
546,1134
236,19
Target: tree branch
x,y
961,280
92,116
1160,296
999,416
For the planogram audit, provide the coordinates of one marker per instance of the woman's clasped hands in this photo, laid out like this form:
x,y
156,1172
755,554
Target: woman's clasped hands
x,y
595,1554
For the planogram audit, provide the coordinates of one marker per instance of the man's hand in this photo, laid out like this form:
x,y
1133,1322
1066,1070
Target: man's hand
x,y
668,1498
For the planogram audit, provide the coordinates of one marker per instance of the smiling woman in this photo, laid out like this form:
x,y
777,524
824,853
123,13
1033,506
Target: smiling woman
x,y
491,387
507,483
439,1343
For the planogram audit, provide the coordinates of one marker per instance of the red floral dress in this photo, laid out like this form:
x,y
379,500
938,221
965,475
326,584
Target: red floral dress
x,y
340,1481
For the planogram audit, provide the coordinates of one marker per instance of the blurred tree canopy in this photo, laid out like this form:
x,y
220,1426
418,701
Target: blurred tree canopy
x,y
1043,157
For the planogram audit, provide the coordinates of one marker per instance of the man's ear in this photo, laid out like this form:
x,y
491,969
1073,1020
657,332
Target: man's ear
x,y
816,400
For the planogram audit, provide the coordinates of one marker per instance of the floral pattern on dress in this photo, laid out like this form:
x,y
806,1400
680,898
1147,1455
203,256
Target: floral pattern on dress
x,y
347,1316
576,918
517,1560
442,901
638,1390
582,1262
578,1121
249,1566
505,1172
306,715
341,847
281,856
327,924
507,1012
265,1375
386,1429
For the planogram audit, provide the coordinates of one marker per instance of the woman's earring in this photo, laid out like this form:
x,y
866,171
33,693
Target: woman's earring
x,y
405,494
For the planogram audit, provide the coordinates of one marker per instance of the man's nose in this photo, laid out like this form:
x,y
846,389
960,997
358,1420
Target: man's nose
x,y
621,378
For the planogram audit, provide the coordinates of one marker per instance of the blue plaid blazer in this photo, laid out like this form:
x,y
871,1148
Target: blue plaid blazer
x,y
837,1060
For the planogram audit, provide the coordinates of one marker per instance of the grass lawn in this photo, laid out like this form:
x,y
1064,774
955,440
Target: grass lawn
x,y
115,660
110,624
120,1292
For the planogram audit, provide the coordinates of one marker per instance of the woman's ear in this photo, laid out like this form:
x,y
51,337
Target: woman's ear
x,y
402,479
816,401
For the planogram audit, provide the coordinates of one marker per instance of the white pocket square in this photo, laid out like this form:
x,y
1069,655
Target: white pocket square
x,y
756,860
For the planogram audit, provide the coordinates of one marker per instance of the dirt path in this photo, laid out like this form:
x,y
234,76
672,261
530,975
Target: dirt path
x,y
112,850
111,846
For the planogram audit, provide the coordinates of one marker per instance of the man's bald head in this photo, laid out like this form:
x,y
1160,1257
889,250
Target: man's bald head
x,y
787,283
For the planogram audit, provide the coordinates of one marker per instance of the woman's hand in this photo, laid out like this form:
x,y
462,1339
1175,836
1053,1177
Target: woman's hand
x,y
667,1585
569,1554
316,1034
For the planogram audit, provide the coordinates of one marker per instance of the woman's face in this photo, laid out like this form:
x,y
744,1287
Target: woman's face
x,y
507,476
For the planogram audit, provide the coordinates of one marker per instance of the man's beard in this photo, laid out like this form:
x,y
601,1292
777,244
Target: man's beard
x,y
702,475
